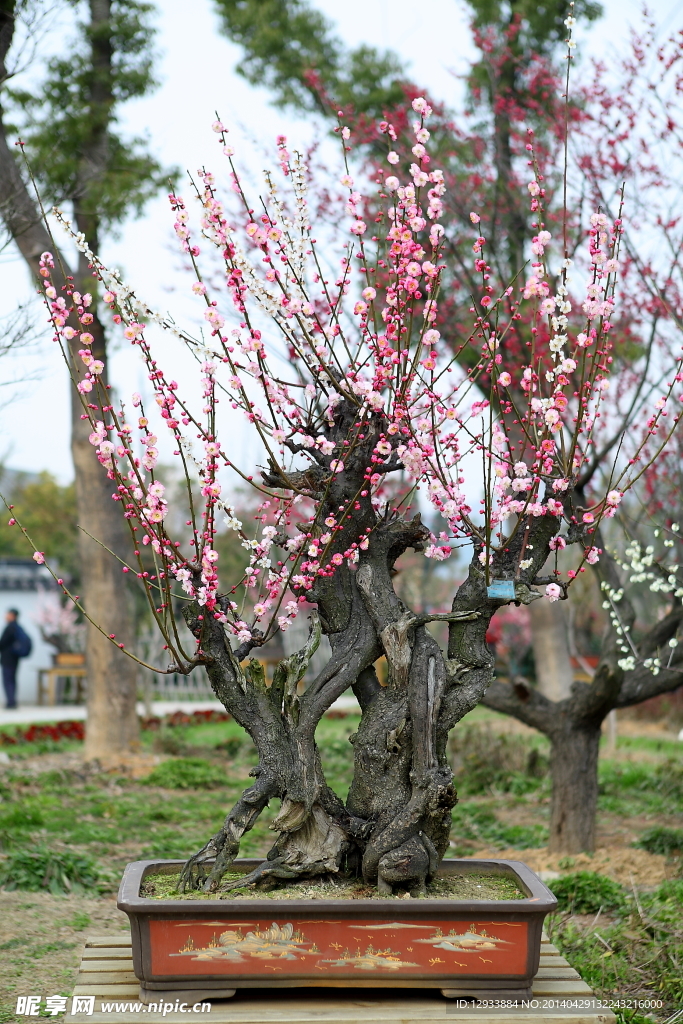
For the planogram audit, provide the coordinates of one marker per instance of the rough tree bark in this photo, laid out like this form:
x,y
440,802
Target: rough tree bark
x,y
112,727
394,827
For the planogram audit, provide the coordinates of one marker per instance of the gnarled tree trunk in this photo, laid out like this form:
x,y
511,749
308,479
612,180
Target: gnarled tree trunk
x,y
395,825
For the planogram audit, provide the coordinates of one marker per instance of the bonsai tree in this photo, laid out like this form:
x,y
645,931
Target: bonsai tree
x,y
366,420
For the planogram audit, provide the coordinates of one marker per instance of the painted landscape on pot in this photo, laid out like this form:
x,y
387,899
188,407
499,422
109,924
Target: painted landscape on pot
x,y
310,946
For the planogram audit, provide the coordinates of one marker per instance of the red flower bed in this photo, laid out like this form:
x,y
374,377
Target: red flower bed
x,y
34,733
73,730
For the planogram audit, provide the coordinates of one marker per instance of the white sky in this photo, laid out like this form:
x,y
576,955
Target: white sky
x,y
197,78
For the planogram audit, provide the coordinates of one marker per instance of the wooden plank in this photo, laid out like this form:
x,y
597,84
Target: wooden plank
x,y
106,978
545,983
107,965
107,952
561,988
557,973
301,1013
114,939
119,991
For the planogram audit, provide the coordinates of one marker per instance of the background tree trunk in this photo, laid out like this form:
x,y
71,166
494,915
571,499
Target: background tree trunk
x,y
573,725
554,674
112,731
574,771
112,727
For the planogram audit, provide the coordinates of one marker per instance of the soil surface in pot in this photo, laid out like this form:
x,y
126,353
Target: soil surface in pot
x,y
446,887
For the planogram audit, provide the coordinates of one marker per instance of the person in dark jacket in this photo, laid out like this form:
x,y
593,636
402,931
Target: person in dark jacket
x,y
9,659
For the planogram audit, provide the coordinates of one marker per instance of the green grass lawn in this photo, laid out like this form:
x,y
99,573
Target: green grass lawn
x,y
104,820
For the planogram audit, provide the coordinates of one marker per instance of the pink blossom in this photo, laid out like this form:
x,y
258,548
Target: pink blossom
x,y
358,227
392,182
592,555
505,380
393,157
430,337
553,592
38,557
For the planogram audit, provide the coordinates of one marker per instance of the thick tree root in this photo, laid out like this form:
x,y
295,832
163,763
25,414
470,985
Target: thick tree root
x,y
221,849
313,848
278,868
412,864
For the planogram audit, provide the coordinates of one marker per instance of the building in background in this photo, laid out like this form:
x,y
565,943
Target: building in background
x,y
28,587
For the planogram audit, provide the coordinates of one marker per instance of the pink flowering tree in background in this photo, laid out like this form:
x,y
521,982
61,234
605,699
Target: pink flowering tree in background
x,y
367,420
621,122
626,131
58,624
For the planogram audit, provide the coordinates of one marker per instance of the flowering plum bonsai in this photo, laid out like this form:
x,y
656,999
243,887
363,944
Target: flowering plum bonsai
x,y
358,405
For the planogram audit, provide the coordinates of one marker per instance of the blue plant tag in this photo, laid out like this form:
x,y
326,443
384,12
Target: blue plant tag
x,y
501,590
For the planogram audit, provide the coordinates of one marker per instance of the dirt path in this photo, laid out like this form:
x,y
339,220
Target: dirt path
x,y
41,938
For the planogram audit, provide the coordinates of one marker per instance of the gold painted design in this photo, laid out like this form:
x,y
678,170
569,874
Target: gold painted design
x,y
277,942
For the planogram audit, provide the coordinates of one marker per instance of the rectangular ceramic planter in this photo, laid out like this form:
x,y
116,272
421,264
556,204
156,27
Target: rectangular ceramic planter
x,y
210,948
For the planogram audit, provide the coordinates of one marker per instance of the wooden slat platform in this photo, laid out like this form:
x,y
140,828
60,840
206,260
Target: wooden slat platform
x,y
106,972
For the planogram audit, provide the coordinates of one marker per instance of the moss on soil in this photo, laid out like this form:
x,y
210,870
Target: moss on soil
x,y
445,887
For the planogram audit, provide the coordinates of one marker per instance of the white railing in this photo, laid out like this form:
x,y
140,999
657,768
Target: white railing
x,y
196,686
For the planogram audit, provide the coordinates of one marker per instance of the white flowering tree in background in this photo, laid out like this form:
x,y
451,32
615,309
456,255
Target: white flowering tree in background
x,y
358,406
